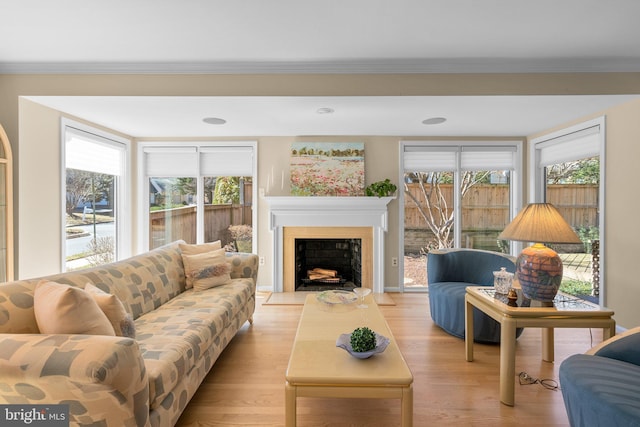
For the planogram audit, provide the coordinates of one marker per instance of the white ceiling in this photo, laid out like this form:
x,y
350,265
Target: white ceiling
x,y
251,36
265,116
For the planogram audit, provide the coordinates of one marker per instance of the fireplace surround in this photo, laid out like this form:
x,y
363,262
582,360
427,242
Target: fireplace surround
x,y
364,218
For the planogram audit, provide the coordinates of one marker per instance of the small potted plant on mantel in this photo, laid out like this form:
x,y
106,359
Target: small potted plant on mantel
x,y
381,188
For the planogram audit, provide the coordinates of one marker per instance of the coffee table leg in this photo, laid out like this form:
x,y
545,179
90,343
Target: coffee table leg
x,y
290,405
507,361
407,406
468,329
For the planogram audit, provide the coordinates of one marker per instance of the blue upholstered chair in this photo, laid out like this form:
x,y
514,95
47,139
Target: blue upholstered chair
x,y
449,272
602,386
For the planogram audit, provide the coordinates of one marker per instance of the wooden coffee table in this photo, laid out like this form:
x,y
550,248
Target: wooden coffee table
x,y
317,368
567,312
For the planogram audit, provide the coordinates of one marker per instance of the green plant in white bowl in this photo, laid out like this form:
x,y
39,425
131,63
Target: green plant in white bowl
x,y
363,339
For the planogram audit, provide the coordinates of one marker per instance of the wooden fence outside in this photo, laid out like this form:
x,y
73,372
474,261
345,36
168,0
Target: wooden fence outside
x,y
180,223
485,212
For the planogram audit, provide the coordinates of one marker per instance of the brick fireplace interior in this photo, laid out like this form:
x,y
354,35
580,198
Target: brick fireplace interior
x,y
347,250
323,264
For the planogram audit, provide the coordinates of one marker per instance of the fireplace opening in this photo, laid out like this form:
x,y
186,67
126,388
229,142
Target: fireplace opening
x,y
323,264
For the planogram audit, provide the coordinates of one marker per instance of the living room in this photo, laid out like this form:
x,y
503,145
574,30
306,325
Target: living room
x,y
34,131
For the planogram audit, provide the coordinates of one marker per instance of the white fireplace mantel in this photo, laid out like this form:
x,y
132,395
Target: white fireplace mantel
x,y
329,212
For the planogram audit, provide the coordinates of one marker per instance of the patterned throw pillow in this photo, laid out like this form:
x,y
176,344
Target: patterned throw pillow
x,y
65,309
112,307
207,270
188,249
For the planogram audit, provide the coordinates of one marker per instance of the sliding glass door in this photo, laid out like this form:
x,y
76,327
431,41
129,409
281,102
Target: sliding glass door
x,y
200,193
456,195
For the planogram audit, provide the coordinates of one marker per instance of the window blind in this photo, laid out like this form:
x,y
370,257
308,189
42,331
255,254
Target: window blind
x,y
226,161
170,162
89,152
487,158
429,158
577,145
444,158
188,161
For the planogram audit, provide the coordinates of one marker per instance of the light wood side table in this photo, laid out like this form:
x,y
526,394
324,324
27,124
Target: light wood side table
x,y
567,311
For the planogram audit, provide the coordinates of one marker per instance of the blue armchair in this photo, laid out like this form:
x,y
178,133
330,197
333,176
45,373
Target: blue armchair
x,y
602,387
449,272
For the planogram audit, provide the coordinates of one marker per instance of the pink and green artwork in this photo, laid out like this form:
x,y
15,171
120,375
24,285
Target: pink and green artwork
x,y
327,169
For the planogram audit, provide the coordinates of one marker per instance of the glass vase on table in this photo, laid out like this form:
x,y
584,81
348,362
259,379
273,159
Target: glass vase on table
x,y
361,293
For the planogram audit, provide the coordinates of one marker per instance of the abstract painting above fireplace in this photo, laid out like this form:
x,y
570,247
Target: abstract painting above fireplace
x,y
327,169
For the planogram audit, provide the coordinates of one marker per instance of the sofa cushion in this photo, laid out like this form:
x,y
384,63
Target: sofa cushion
x,y
207,269
64,309
174,336
194,249
171,342
112,307
189,249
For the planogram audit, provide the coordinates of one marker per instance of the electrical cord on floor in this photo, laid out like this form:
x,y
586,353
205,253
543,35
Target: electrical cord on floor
x,y
549,384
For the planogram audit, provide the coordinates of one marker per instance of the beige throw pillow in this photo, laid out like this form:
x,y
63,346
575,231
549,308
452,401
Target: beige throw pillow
x,y
64,309
207,270
112,307
188,249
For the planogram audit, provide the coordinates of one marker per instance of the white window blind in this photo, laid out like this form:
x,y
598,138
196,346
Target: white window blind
x,y
88,152
203,161
444,158
577,145
226,161
171,161
487,158
429,158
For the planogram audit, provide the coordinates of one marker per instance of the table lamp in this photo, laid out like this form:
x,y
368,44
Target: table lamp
x,y
539,268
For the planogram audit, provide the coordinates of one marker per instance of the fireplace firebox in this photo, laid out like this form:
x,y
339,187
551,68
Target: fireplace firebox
x,y
323,264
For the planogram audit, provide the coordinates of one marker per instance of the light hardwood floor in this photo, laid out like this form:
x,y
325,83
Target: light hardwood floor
x,y
246,384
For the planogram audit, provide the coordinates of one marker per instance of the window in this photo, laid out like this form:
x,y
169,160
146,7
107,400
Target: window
x,y
94,188
567,172
456,194
200,192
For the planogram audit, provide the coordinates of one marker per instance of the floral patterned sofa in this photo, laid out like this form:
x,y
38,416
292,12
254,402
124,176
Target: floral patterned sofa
x,y
117,380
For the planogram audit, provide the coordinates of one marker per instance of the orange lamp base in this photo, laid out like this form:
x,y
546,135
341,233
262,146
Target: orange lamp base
x,y
539,271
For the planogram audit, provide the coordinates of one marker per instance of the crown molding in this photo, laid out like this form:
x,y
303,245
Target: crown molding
x,y
365,66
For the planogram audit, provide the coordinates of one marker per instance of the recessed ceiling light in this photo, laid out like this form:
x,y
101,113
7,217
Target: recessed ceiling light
x,y
325,110
214,120
434,121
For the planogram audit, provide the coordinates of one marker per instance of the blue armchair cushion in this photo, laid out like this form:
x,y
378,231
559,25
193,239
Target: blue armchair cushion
x,y
626,349
466,265
599,391
444,304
